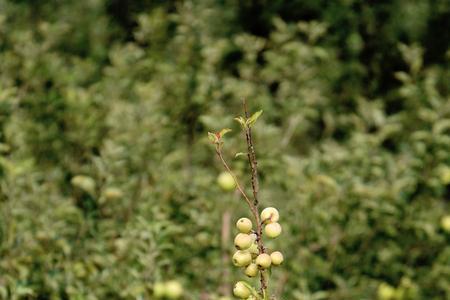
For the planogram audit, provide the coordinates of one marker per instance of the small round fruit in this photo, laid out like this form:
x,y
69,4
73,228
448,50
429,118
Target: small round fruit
x,y
277,258
174,289
251,270
445,223
242,258
243,241
113,193
273,230
253,249
244,225
386,292
159,289
226,181
241,291
270,215
263,261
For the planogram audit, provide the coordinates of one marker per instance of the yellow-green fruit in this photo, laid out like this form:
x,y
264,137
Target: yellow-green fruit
x,y
242,258
277,258
243,241
113,193
241,291
244,225
159,289
251,270
445,175
270,215
445,223
263,261
385,292
253,249
174,289
273,230
226,181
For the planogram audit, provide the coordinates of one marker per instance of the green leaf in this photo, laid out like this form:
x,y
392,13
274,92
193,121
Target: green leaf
x,y
252,289
212,137
224,131
254,117
242,121
240,154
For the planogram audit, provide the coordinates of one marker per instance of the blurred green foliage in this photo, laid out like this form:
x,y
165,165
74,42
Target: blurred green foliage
x,y
108,182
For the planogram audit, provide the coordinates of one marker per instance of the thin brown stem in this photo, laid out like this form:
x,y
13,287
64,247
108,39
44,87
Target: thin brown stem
x,y
251,157
238,185
255,187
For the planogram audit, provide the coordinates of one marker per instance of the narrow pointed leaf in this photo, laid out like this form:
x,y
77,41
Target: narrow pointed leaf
x,y
241,121
224,131
254,117
240,154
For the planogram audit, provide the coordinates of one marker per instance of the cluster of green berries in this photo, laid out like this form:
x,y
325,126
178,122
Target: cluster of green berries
x,y
248,256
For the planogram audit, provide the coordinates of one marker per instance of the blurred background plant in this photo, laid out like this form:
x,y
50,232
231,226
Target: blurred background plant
x,y
108,186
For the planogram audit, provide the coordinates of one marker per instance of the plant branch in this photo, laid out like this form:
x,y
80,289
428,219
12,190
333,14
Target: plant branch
x,y
255,188
251,156
253,205
253,208
255,212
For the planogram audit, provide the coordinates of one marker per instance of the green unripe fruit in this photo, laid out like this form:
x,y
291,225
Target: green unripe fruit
x,y
113,193
226,181
386,292
243,241
253,249
244,225
445,175
251,270
273,230
445,223
242,258
241,291
263,261
159,289
277,258
174,289
270,215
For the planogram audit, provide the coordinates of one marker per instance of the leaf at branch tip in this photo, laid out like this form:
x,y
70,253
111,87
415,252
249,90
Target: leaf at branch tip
x,y
213,137
224,131
252,289
239,154
241,121
253,118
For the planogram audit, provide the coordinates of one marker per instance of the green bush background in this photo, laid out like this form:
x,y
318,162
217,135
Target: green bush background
x,y
108,182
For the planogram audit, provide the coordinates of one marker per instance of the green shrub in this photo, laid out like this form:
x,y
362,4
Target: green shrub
x,y
107,182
